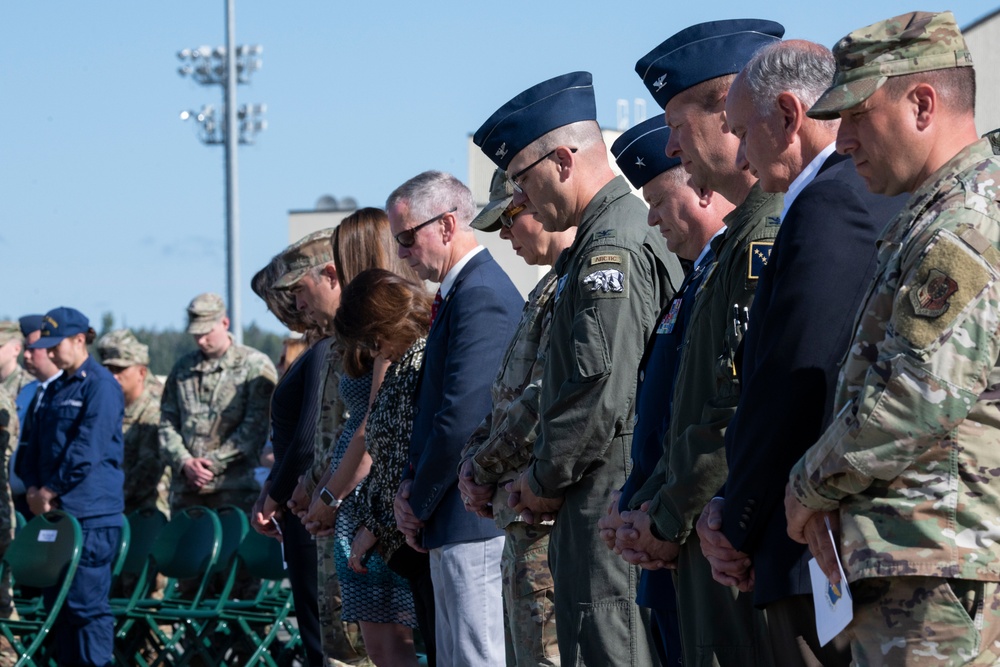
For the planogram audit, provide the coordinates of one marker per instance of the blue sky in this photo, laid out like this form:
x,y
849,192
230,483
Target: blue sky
x,y
109,203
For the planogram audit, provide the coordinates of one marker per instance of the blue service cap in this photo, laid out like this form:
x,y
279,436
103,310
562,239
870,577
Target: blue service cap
x,y
60,323
641,151
30,324
540,109
702,52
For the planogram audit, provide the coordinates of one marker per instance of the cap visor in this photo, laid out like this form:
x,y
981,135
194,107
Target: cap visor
x,y
46,342
117,363
488,219
199,328
289,279
843,97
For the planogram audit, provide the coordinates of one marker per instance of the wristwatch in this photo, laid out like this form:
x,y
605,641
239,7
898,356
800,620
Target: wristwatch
x,y
329,499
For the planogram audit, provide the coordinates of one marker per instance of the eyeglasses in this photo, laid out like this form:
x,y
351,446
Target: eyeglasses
x,y
408,237
507,217
515,180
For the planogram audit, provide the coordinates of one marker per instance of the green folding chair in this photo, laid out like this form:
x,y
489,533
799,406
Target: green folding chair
x,y
136,565
264,618
186,549
45,554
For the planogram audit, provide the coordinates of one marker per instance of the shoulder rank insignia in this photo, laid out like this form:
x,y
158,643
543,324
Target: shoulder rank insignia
x,y
760,251
931,299
605,281
603,234
773,221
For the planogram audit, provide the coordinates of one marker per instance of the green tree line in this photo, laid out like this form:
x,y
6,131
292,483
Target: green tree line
x,y
167,346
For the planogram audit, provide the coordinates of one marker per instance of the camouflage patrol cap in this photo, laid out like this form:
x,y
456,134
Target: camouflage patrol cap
x,y
10,331
905,44
122,349
204,311
501,195
316,249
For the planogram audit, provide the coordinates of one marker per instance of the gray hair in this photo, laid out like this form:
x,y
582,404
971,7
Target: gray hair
x,y
433,193
805,69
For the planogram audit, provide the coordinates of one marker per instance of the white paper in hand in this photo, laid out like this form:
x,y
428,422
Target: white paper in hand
x,y
834,607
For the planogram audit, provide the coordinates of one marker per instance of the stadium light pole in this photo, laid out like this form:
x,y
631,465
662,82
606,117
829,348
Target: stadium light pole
x,y
227,67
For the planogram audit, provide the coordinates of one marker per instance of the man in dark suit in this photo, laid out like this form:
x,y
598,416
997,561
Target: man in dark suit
x,y
799,327
474,315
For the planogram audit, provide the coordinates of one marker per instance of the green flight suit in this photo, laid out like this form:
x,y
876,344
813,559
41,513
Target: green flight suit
x,y
612,283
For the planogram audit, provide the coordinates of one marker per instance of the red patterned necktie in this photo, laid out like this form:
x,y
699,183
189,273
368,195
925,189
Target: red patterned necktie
x,y
435,306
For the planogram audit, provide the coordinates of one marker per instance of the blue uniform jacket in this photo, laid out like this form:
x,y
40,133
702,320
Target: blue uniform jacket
x,y
464,349
657,375
75,448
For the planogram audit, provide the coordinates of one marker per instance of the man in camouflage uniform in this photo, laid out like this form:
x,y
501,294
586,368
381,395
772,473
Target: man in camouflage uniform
x,y
500,449
309,260
689,76
214,413
910,461
612,282
147,480
13,378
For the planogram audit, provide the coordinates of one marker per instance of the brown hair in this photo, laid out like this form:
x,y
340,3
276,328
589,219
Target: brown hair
x,y
292,350
90,336
362,241
380,305
956,86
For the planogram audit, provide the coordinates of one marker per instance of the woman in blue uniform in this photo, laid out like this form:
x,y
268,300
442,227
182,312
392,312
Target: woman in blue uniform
x,y
73,462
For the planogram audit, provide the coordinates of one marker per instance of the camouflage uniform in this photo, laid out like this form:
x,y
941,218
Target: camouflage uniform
x,y
911,459
19,377
500,450
341,641
693,466
217,409
147,479
9,433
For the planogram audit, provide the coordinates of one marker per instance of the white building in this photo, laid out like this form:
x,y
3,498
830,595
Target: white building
x,y
982,37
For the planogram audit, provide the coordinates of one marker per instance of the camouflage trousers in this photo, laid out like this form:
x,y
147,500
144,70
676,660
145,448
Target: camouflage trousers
x,y
529,609
902,621
342,643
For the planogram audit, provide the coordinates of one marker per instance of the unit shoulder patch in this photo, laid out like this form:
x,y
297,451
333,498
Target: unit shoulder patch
x,y
949,276
758,254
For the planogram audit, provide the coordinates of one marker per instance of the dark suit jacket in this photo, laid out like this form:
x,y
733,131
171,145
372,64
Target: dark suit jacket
x,y
464,348
801,324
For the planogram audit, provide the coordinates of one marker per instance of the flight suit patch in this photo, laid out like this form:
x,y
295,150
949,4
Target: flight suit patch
x,y
605,275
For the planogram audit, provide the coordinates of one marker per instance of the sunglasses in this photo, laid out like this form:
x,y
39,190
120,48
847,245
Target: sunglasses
x,y
507,217
408,237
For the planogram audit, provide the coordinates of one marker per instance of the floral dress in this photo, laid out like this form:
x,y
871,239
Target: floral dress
x,y
380,596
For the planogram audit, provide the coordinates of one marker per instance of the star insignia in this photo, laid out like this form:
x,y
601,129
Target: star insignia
x,y
639,162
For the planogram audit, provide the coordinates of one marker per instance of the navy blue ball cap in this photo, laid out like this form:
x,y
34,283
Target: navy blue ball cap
x,y
641,151
60,323
540,109
30,324
702,52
